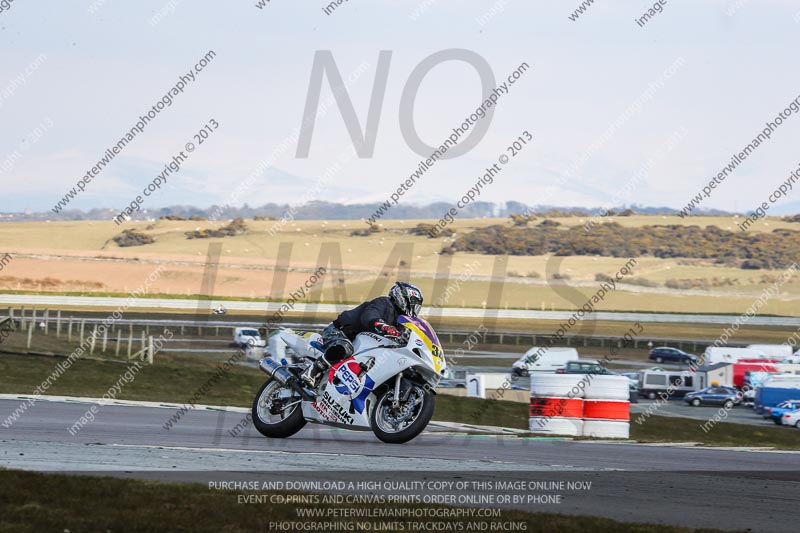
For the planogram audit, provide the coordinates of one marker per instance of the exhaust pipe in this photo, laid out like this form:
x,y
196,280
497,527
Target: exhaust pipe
x,y
276,371
285,377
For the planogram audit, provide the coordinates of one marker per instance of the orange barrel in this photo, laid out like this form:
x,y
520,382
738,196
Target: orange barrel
x,y
557,407
605,410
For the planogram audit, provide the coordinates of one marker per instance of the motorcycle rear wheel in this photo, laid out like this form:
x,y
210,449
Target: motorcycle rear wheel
x,y
386,420
285,422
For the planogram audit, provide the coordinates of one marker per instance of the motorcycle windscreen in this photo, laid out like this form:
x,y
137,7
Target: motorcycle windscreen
x,y
425,332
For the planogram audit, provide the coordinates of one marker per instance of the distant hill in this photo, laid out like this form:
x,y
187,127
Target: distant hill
x,y
333,211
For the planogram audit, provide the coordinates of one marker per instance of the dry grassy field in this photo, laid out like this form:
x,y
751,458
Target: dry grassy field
x,y
82,257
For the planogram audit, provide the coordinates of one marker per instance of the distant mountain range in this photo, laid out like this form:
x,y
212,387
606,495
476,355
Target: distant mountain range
x,y
333,211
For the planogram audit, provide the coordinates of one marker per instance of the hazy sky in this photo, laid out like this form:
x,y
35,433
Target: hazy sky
x,y
98,72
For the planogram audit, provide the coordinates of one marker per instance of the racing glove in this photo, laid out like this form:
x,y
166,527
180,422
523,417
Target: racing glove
x,y
386,329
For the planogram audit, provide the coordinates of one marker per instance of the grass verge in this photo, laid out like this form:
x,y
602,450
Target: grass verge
x,y
33,502
670,429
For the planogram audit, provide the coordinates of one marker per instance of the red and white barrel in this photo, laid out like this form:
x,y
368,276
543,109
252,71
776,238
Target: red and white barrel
x,y
580,405
606,429
556,404
557,385
606,410
602,387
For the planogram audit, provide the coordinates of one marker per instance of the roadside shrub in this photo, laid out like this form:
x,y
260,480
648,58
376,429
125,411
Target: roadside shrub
x,y
235,227
421,229
750,251
172,217
522,220
686,284
561,276
550,223
425,229
131,237
366,232
752,264
642,282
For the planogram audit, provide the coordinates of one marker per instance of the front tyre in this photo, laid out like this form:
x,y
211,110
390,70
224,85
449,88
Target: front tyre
x,y
396,425
277,411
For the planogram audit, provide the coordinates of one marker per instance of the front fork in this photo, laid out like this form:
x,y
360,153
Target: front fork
x,y
396,397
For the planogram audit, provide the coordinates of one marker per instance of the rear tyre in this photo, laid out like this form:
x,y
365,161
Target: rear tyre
x,y
659,360
797,424
398,425
728,404
277,412
696,402
777,421
651,395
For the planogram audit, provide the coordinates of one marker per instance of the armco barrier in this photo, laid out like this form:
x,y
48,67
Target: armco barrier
x,y
580,405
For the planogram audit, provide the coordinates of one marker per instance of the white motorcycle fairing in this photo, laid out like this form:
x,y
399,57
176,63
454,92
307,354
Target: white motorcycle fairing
x,y
346,397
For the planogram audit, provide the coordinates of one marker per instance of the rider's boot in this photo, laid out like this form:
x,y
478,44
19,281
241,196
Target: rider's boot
x,y
312,373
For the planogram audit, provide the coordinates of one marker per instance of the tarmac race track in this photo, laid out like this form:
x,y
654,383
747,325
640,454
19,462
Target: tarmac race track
x,y
687,486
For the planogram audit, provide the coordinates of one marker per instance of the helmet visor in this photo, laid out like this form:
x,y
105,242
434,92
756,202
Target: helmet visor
x,y
415,309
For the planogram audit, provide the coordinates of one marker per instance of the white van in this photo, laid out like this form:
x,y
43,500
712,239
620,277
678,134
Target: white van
x,y
773,351
723,354
243,337
549,360
787,368
782,381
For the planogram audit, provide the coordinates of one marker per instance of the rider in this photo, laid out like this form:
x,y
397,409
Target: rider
x,y
378,316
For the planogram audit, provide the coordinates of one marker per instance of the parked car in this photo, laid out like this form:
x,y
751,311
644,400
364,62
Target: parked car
x,y
584,367
725,396
777,412
243,337
749,397
455,378
548,360
655,383
634,378
671,355
791,419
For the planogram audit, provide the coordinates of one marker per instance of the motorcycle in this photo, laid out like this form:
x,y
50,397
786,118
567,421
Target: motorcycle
x,y
387,385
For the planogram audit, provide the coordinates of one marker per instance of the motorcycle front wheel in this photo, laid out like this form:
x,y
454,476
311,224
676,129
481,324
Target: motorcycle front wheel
x,y
277,411
396,425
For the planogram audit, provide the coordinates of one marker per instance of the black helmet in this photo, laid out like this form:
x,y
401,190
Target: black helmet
x,y
406,297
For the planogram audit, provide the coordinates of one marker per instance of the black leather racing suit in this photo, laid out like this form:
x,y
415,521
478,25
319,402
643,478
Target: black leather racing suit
x,y
337,338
